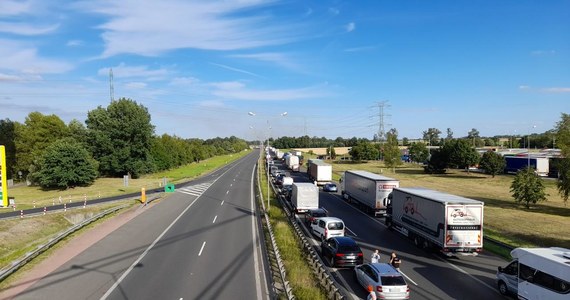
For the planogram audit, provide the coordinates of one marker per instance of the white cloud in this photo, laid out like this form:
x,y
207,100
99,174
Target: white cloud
x,y
360,49
235,69
135,85
279,59
184,81
136,27
238,91
556,90
20,58
334,11
524,87
228,85
350,27
26,29
14,8
543,52
124,71
7,77
74,43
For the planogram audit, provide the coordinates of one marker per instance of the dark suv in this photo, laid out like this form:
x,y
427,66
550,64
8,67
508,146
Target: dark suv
x,y
315,213
341,251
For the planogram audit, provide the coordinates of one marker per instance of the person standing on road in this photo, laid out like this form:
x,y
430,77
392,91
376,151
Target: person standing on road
x,y
395,261
371,293
375,258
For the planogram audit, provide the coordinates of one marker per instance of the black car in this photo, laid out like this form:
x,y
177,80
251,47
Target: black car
x,y
330,187
342,251
315,213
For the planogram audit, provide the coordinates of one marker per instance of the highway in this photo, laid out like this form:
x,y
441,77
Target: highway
x,y
429,275
200,242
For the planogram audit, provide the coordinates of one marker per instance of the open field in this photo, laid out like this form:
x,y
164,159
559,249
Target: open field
x,y
28,196
545,224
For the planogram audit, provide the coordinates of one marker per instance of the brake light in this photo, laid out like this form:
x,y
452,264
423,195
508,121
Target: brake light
x,y
360,254
326,232
379,288
339,255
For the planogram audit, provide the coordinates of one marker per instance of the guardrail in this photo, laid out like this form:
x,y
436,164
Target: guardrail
x,y
31,255
326,280
286,287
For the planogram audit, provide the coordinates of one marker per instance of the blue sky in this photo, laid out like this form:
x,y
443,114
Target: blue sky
x,y
200,67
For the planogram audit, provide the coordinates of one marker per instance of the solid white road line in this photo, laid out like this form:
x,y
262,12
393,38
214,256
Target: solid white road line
x,y
410,279
351,232
214,219
255,241
201,249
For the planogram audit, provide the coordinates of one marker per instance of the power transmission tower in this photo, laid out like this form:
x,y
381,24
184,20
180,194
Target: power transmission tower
x,y
111,88
381,115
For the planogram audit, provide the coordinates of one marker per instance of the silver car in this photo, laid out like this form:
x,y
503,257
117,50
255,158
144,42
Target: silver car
x,y
384,279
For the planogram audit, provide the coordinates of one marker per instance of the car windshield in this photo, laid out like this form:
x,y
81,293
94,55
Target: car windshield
x,y
336,226
319,214
393,280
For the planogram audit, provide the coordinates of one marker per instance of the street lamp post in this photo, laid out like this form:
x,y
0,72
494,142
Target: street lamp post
x,y
528,142
252,114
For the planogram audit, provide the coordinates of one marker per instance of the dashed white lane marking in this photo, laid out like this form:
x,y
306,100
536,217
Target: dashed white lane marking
x,y
215,219
227,192
222,203
201,249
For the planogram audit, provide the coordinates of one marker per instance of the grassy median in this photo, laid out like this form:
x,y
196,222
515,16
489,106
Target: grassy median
x,y
299,273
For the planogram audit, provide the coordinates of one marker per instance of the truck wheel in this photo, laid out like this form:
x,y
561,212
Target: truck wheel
x,y
503,288
412,211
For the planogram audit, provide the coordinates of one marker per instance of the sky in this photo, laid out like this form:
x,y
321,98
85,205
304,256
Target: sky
x,y
267,68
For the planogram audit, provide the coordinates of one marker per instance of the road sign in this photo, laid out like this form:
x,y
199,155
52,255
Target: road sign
x,y
169,188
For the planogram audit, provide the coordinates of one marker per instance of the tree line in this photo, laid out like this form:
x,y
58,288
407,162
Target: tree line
x,y
115,140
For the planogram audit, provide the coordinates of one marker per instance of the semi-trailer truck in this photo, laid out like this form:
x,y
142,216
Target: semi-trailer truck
x,y
319,171
434,219
516,163
369,190
304,196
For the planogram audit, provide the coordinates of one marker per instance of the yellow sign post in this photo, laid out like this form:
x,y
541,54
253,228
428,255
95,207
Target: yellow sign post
x,y
143,195
3,177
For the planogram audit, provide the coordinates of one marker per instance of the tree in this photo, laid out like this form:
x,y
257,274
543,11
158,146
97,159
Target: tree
x,y
65,163
493,163
432,136
364,151
392,154
527,187
120,138
7,139
437,162
473,136
419,152
563,142
449,135
460,154
32,138
331,152
405,141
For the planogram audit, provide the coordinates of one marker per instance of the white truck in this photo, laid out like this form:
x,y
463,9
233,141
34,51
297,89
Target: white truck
x,y
304,196
319,171
292,162
369,190
434,219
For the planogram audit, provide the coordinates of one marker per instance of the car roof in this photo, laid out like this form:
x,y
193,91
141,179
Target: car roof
x,y
344,240
318,210
384,269
330,219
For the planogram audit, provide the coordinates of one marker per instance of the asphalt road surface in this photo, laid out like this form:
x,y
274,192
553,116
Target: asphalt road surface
x,y
429,275
200,242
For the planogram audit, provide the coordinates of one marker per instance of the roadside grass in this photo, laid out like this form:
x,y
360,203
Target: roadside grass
x,y
20,236
29,196
545,224
299,273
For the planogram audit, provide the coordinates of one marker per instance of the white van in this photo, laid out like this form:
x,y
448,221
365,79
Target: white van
x,y
537,273
327,227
